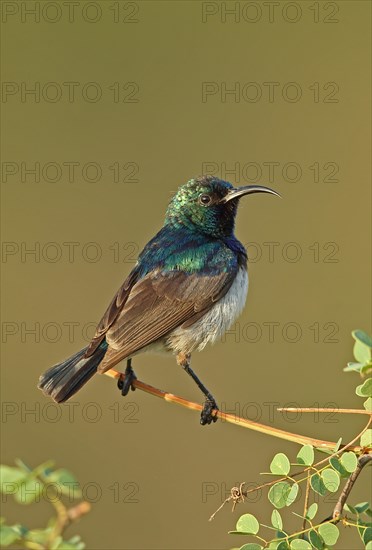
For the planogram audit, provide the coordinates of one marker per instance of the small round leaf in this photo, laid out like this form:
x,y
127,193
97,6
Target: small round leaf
x,y
247,523
331,479
329,533
316,540
280,465
368,404
276,520
300,544
361,507
312,510
366,439
251,546
365,389
278,494
349,461
306,455
317,484
367,535
292,495
336,465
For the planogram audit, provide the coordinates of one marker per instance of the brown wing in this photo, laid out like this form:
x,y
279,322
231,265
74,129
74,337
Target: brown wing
x,y
112,312
156,305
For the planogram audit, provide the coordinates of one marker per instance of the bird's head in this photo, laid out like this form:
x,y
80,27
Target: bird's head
x,y
208,205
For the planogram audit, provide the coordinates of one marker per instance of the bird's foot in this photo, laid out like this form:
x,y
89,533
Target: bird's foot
x,y
208,415
126,380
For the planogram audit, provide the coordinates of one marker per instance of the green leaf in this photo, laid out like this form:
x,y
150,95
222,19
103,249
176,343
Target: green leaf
x,y
363,337
317,484
338,445
351,509
361,507
362,346
278,494
366,369
56,542
300,544
367,535
280,465
283,545
329,533
311,511
366,439
38,535
65,481
316,540
75,543
331,479
29,491
368,404
336,465
251,546
369,545
349,461
9,534
10,475
365,389
248,524
306,455
353,367
276,520
292,494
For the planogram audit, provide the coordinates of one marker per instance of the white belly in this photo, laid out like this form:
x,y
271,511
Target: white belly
x,y
215,322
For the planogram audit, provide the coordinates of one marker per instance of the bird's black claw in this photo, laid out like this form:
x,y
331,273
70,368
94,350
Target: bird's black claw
x,y
126,381
206,415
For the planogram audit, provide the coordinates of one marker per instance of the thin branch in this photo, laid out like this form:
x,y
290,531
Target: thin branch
x,y
64,516
323,410
306,503
233,419
362,461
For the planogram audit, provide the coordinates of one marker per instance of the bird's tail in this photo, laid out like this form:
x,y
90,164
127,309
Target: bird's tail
x,y
63,380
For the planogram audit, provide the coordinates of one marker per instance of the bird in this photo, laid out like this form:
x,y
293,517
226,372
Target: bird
x,y
187,288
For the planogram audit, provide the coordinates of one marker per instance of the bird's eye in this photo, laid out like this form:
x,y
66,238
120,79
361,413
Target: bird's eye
x,y
205,199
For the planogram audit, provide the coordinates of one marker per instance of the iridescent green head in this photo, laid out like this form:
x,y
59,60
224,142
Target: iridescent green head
x,y
208,205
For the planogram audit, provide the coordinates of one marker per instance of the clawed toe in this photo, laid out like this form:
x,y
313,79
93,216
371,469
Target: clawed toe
x,y
207,414
126,380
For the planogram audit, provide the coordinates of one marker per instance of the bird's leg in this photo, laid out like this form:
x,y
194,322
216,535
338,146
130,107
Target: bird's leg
x,y
210,404
126,380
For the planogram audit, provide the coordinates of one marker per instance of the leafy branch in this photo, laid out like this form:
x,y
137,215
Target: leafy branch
x,y
28,485
344,462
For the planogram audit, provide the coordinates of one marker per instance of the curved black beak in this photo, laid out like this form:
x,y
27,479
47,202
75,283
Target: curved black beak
x,y
247,190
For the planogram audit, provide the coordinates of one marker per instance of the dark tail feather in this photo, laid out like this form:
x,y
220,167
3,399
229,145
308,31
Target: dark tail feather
x,y
63,380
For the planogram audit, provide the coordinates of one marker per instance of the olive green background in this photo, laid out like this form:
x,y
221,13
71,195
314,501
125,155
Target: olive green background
x,y
169,133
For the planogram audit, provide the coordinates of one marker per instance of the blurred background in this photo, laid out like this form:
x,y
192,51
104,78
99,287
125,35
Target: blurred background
x,y
107,108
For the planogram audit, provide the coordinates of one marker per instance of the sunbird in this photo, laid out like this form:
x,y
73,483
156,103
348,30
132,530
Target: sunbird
x,y
187,288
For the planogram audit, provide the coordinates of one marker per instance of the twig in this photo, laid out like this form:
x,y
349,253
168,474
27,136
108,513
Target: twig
x,y
236,495
233,419
362,461
323,410
306,503
64,516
